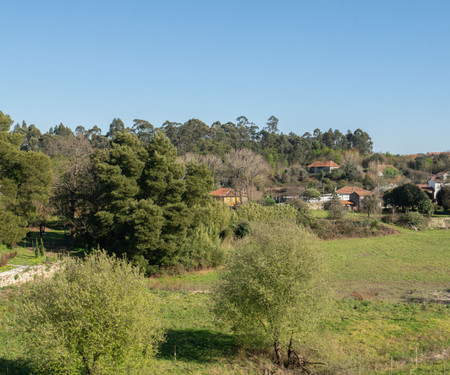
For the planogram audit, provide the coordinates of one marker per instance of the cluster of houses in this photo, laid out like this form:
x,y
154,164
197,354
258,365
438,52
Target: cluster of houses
x,y
350,196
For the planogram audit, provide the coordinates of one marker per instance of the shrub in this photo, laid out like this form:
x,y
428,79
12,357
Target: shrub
x,y
96,316
242,229
335,208
412,220
304,215
272,289
268,201
267,214
202,248
390,172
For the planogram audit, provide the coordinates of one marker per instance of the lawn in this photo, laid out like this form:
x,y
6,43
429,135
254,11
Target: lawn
x,y
409,265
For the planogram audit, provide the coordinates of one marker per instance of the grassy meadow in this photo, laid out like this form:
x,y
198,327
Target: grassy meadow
x,y
390,314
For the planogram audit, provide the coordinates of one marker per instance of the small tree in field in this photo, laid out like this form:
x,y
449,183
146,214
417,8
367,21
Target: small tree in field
x,y
371,205
95,316
336,209
271,290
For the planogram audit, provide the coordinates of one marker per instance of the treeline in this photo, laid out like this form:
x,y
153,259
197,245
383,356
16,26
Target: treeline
x,y
218,139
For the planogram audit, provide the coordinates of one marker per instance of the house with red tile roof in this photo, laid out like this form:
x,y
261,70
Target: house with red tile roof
x,y
437,181
325,166
228,196
353,194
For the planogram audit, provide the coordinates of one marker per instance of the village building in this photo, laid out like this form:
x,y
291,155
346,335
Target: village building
x,y
352,196
437,181
228,196
322,166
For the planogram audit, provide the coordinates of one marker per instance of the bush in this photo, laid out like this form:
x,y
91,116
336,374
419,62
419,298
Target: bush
x,y
96,316
242,229
268,201
335,208
272,290
202,248
304,215
266,214
412,220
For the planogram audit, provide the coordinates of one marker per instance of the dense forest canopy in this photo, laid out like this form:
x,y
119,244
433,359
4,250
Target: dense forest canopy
x,y
218,138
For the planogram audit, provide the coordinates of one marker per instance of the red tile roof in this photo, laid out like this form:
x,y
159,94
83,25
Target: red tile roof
x,y
344,202
223,192
425,187
323,164
353,189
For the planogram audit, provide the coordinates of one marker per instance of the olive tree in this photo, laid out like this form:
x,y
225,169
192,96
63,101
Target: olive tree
x,y
271,289
95,316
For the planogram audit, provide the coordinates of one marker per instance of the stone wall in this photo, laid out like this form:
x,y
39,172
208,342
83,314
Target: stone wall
x,y
438,222
25,274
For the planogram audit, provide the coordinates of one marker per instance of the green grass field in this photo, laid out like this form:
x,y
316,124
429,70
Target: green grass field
x,y
407,265
390,315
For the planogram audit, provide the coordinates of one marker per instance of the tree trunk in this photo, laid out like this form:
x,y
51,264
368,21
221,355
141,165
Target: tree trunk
x,y
277,348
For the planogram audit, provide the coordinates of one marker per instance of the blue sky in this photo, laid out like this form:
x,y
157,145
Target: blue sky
x,y
382,66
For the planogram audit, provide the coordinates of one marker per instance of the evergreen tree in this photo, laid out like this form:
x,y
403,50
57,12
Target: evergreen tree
x,y
148,201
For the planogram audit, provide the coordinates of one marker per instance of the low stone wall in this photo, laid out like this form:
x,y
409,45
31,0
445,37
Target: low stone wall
x,y
438,223
25,274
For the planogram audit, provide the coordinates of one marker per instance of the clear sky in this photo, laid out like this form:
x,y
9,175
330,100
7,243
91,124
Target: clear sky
x,y
382,66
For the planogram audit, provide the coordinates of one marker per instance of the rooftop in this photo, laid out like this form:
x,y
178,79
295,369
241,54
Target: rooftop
x,y
223,192
353,189
323,164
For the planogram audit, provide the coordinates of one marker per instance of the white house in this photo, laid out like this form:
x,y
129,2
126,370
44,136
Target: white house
x,y
437,181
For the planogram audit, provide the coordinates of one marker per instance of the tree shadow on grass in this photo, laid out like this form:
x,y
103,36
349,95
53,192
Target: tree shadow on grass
x,y
14,367
197,346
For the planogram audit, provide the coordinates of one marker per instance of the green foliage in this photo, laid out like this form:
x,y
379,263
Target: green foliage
x,y
13,227
150,205
271,289
412,220
408,196
37,251
443,198
255,212
335,208
242,229
202,248
41,248
312,194
5,122
371,205
268,201
96,316
390,172
305,217
25,179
